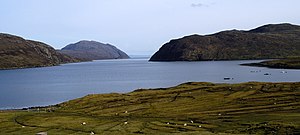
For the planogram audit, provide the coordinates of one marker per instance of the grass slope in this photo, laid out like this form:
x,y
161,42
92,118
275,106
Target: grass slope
x,y
190,108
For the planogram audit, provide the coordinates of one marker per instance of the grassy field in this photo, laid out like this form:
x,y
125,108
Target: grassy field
x,y
190,108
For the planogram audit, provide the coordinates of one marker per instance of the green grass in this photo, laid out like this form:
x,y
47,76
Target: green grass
x,y
247,108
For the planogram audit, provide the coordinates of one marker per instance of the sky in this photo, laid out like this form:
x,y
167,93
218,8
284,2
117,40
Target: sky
x,y
138,27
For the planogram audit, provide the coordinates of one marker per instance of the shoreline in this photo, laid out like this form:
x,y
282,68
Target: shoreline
x,y
289,63
136,90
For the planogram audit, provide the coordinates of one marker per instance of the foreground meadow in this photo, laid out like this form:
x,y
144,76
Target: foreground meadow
x,y
189,108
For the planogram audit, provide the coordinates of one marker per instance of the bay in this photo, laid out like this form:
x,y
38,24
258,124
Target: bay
x,y
51,85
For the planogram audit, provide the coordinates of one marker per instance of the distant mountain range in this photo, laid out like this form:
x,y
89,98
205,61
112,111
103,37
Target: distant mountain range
x,y
266,42
16,52
273,41
92,50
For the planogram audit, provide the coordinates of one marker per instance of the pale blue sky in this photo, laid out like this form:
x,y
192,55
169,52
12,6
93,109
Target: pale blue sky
x,y
137,26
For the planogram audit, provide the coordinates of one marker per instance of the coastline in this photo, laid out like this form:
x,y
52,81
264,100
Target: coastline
x,y
277,64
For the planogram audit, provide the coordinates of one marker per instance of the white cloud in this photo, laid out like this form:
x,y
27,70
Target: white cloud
x,y
195,5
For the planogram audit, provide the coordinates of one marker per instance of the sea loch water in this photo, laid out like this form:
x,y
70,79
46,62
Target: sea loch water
x,y
51,85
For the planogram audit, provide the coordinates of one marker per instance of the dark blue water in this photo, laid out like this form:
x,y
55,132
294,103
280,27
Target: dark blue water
x,y
51,85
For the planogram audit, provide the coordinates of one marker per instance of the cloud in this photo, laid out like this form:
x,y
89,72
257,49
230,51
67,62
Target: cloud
x,y
195,5
200,5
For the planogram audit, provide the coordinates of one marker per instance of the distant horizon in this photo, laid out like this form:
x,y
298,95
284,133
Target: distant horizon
x,y
136,27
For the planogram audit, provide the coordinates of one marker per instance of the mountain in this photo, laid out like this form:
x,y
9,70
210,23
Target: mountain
x,y
265,42
92,50
16,52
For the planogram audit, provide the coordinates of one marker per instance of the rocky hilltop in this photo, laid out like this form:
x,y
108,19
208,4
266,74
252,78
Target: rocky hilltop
x,y
92,50
16,52
265,42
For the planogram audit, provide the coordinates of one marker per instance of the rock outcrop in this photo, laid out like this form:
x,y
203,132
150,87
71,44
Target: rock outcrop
x,y
267,42
92,50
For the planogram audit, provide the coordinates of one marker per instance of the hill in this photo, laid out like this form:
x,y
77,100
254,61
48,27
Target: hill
x,y
92,50
190,108
266,42
16,52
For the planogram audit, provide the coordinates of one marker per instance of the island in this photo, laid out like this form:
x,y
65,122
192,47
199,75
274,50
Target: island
x,y
17,52
93,50
272,41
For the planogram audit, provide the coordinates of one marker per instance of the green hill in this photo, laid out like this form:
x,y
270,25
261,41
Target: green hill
x,y
190,108
271,41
